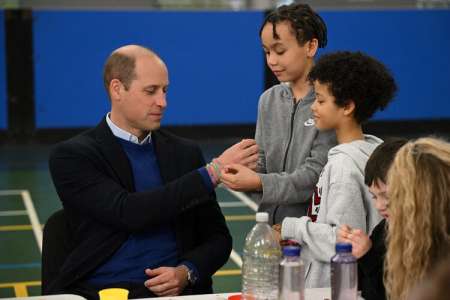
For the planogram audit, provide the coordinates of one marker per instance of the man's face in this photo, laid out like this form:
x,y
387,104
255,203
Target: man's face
x,y
378,189
143,104
327,114
284,56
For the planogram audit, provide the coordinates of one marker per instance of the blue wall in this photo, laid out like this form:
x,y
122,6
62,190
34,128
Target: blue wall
x,y
214,60
3,107
216,63
415,45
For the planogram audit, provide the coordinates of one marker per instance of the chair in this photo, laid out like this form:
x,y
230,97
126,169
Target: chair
x,y
55,247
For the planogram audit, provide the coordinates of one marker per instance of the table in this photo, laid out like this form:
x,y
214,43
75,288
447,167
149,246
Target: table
x,y
49,297
310,294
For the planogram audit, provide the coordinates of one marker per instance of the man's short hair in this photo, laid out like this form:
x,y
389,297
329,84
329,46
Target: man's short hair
x,y
381,159
357,77
119,66
122,67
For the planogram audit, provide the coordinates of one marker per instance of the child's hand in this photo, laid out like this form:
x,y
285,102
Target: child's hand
x,y
277,227
283,243
277,231
361,243
343,232
240,178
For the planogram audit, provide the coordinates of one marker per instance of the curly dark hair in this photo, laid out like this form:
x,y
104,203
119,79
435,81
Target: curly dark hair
x,y
357,77
305,23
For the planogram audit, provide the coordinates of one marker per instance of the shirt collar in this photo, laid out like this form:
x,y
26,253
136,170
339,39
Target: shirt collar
x,y
125,135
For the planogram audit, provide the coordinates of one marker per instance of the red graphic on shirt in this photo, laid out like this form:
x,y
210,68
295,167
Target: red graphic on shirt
x,y
314,206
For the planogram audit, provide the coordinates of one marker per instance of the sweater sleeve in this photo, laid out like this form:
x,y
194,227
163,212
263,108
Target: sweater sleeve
x,y
345,207
298,185
259,137
82,186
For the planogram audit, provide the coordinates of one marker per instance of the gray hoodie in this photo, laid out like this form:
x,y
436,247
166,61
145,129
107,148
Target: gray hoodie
x,y
292,152
341,197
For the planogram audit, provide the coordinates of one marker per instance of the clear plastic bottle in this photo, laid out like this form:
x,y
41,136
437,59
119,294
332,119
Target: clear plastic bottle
x,y
261,262
344,274
292,275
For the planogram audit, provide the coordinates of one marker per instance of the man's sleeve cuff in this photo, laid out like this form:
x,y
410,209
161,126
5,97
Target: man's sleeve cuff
x,y
191,267
206,179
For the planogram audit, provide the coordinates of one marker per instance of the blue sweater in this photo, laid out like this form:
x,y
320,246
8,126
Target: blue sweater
x,y
151,249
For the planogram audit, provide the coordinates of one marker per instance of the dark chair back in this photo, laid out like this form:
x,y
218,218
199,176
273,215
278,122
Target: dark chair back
x,y
55,247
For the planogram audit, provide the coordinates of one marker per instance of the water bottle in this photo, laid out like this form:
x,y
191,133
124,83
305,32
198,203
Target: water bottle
x,y
261,262
344,274
292,275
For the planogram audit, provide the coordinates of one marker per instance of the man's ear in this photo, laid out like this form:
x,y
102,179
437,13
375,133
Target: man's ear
x,y
115,89
349,108
312,47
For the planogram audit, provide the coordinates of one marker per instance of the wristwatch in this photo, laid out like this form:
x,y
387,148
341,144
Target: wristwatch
x,y
191,276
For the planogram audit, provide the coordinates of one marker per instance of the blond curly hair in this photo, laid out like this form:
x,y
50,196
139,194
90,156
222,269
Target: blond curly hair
x,y
419,214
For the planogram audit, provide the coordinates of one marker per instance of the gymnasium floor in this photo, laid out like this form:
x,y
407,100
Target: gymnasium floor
x,y
28,198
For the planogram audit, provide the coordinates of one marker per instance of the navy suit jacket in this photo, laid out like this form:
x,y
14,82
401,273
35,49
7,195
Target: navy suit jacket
x,y
94,181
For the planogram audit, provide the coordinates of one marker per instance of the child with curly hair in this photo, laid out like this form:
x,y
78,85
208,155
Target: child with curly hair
x,y
350,87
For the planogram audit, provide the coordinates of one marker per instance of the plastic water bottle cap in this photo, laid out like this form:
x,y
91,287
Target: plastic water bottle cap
x,y
291,251
343,247
262,217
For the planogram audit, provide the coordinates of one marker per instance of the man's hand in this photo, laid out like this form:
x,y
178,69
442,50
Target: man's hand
x,y
240,178
245,153
167,281
360,241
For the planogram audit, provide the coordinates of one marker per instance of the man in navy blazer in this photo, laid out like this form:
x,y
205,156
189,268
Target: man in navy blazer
x,y
140,202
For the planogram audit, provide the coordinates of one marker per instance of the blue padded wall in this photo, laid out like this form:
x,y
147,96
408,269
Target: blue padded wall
x,y
216,63
414,44
214,60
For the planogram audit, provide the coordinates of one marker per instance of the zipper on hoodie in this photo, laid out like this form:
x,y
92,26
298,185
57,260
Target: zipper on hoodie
x,y
291,134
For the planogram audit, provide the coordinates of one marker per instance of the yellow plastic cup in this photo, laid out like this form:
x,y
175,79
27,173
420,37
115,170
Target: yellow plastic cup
x,y
113,294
